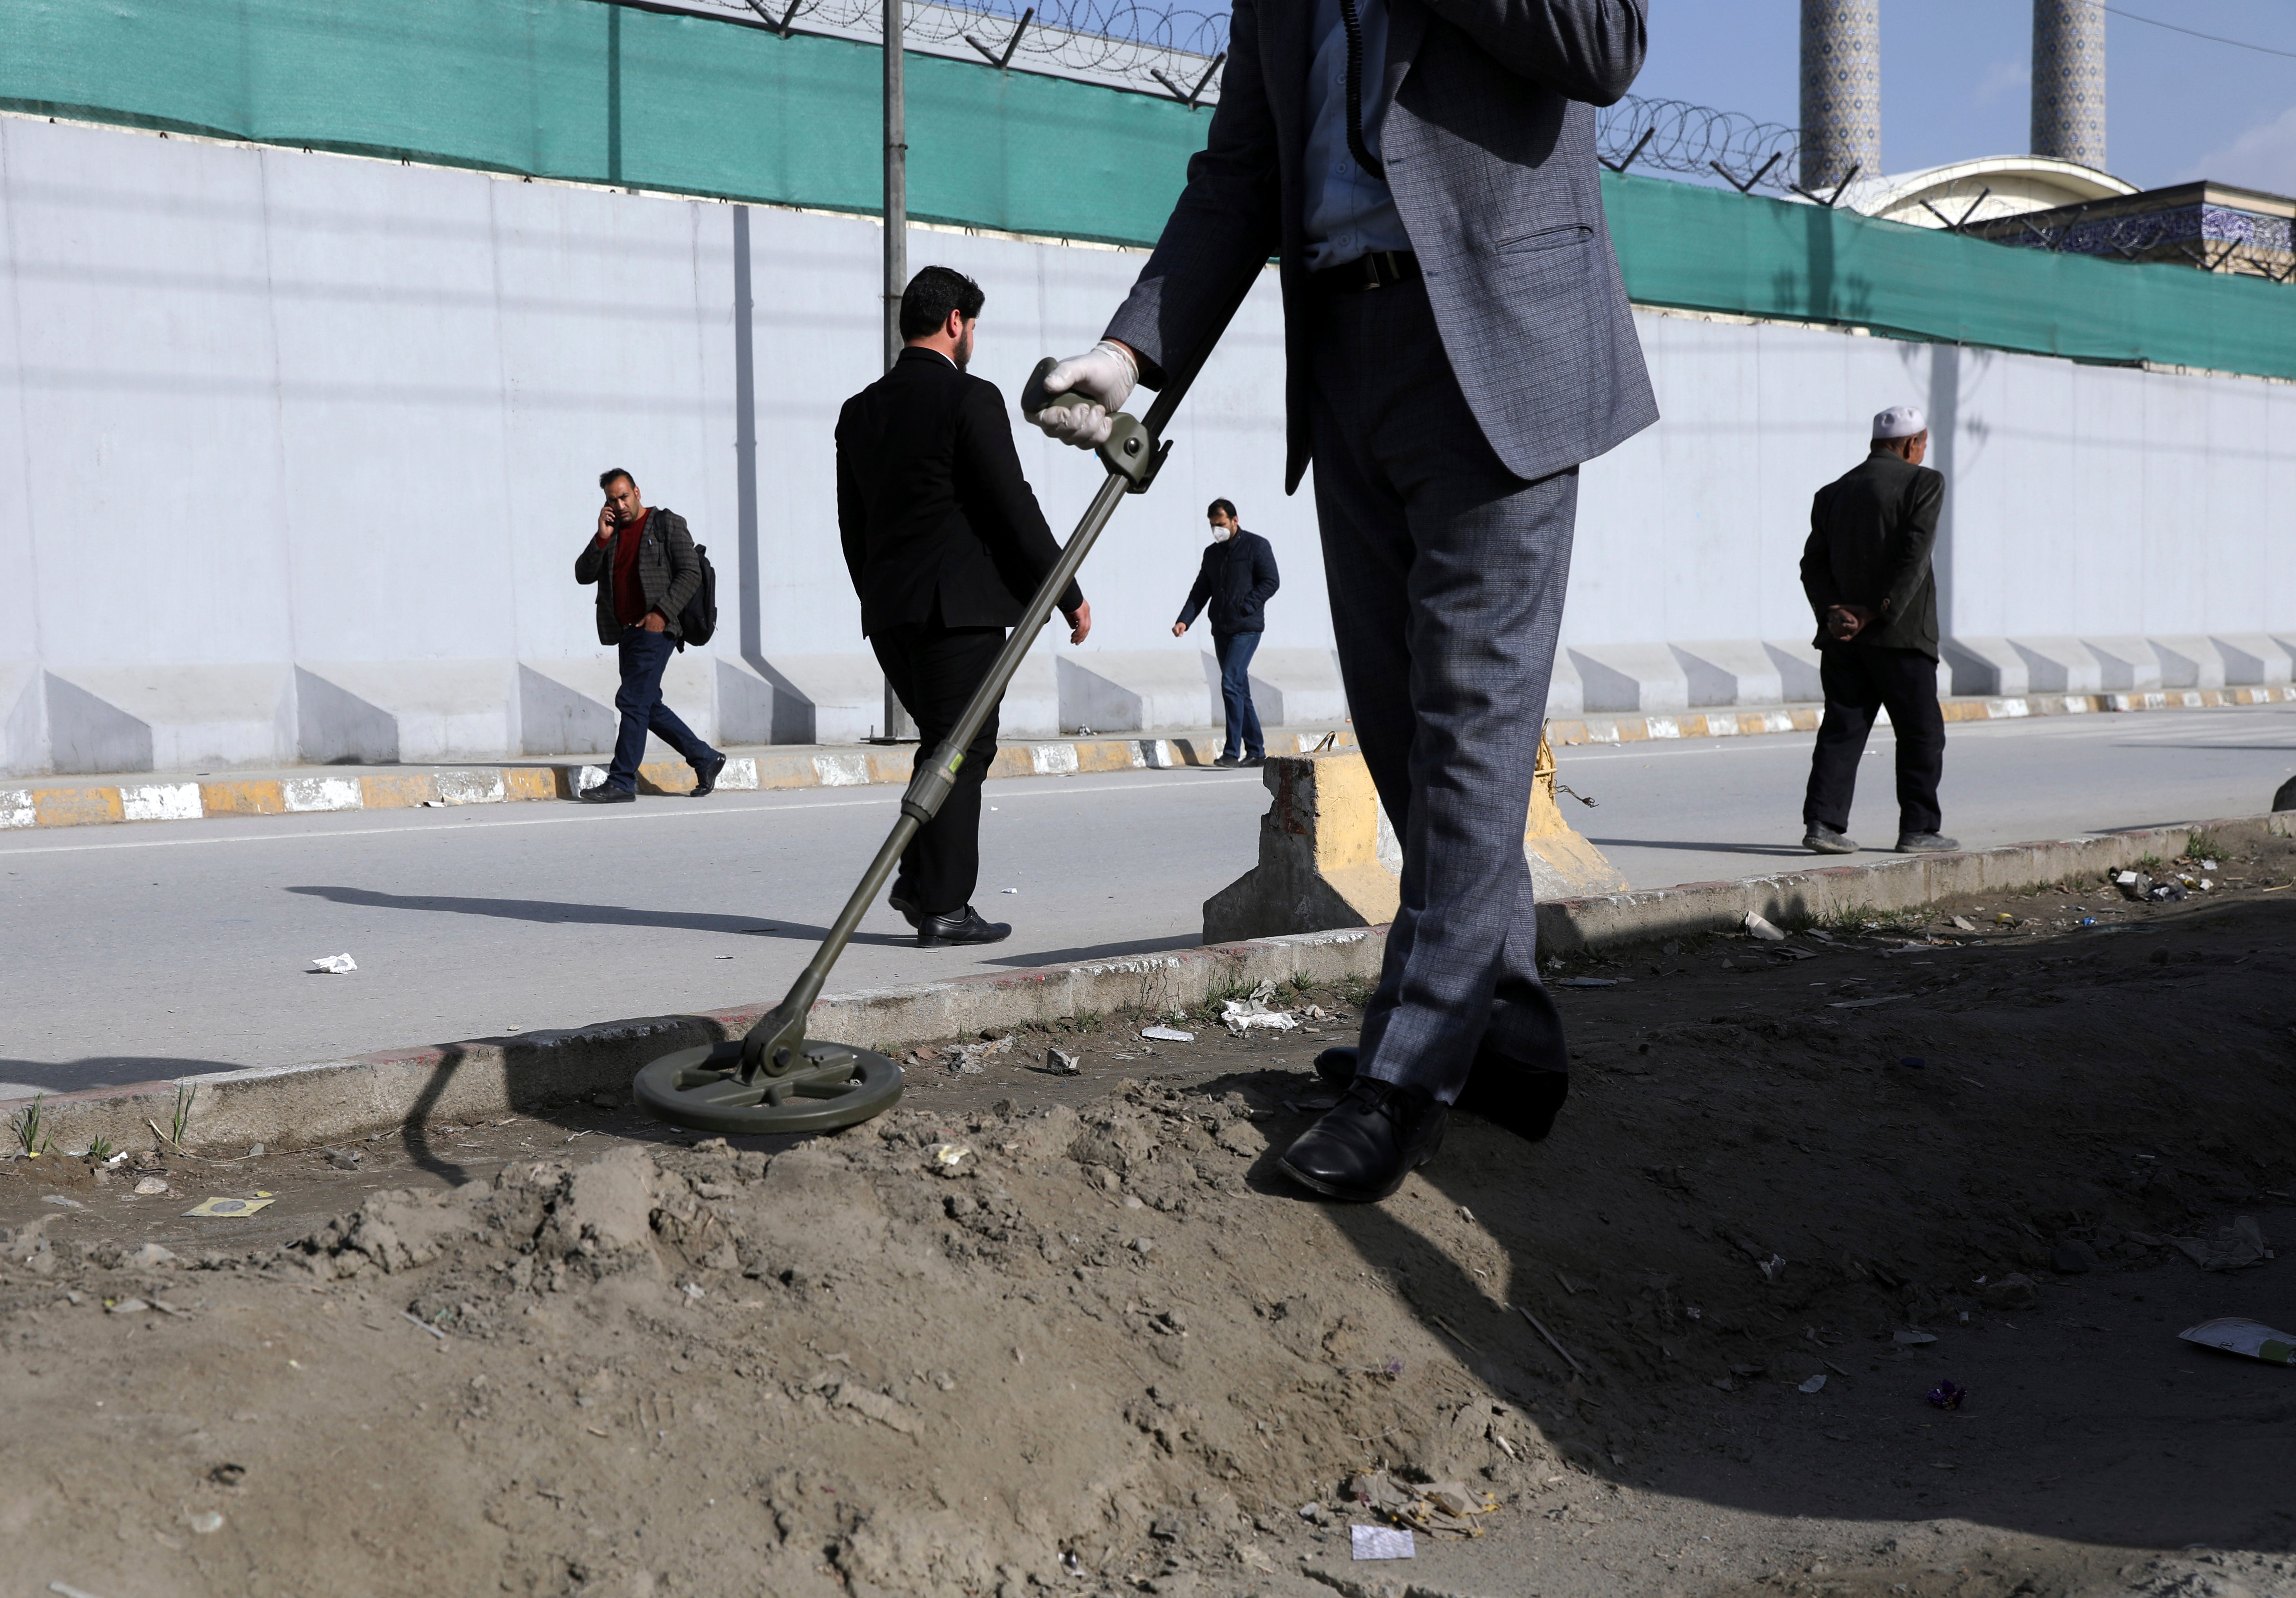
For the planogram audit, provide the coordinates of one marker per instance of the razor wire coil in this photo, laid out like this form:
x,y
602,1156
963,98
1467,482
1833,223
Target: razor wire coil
x,y
1673,135
1116,38
1178,51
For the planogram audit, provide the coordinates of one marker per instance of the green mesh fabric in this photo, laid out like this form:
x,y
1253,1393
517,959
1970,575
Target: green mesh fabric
x,y
599,93
607,93
1713,249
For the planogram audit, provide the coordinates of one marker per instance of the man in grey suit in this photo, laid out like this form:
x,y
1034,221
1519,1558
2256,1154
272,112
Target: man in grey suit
x,y
1458,340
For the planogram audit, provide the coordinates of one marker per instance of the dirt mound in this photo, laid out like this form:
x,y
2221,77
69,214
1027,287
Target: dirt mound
x,y
1045,1323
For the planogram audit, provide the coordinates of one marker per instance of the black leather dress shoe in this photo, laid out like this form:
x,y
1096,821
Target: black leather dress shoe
x,y
705,775
1362,1150
962,926
1521,1098
904,900
606,793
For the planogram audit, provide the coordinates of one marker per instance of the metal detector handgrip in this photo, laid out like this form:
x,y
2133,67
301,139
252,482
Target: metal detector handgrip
x,y
1134,450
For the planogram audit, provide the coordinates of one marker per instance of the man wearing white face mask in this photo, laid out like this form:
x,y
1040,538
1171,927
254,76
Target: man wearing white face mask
x,y
1237,577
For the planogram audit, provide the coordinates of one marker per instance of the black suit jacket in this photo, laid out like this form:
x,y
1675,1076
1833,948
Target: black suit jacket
x,y
1870,534
1238,575
936,519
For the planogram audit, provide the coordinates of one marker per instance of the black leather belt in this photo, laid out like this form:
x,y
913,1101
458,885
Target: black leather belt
x,y
1378,270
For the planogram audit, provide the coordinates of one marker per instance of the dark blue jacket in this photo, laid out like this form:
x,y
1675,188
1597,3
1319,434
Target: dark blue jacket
x,y
1238,575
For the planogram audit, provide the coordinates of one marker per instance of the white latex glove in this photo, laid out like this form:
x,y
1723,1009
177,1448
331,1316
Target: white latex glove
x,y
1104,375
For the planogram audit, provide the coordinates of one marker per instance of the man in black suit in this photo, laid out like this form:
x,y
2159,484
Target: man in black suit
x,y
1866,572
945,543
1238,578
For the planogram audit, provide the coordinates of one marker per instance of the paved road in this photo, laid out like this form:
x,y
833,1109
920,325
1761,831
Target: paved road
x,y
139,952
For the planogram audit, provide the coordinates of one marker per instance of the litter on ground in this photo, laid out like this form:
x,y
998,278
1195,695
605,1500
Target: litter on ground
x,y
1240,1016
2233,1246
1380,1542
228,1206
2253,1339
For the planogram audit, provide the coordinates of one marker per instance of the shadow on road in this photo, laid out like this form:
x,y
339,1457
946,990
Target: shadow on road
x,y
100,1070
1786,851
553,910
1102,951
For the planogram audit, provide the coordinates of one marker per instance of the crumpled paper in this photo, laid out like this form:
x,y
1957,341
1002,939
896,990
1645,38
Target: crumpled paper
x,y
1240,1016
2232,1247
333,964
965,1058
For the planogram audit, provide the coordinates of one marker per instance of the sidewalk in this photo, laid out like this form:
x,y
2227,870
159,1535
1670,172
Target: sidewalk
x,y
76,802
1804,719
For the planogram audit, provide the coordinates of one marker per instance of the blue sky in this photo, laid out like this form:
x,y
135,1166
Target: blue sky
x,y
1954,81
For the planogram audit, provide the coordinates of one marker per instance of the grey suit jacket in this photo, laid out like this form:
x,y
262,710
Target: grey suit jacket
x,y
1489,149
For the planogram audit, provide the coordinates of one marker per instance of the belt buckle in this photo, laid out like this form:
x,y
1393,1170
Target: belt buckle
x,y
1372,278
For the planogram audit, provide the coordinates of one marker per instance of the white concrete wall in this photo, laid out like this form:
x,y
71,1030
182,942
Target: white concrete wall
x,y
300,451
2083,502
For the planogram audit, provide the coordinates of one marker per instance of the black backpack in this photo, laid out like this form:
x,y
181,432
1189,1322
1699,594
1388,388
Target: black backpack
x,y
699,621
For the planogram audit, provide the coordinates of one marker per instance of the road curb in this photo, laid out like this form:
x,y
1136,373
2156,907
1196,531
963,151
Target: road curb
x,y
65,802
457,1084
1831,892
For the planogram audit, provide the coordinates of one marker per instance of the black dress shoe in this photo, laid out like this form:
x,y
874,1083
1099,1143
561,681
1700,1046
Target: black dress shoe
x,y
961,926
1226,762
1362,1150
1507,1093
606,793
904,900
705,775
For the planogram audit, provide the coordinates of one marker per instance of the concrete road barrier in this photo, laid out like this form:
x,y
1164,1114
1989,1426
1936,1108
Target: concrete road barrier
x,y
1328,858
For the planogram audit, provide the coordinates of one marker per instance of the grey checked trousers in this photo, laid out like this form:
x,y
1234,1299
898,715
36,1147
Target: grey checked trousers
x,y
1447,575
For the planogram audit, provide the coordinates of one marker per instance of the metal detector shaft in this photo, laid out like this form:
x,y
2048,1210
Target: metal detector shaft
x,y
1134,450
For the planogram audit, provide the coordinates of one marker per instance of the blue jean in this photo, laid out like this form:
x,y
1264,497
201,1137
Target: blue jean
x,y
645,656
1234,650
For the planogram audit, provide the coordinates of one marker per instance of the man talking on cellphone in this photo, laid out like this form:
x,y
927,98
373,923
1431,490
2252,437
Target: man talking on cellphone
x,y
1457,341
641,558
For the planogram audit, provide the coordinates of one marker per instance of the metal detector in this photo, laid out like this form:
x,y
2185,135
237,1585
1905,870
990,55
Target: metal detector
x,y
777,1081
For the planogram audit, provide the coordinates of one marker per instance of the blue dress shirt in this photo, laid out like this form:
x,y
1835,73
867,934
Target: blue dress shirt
x,y
1349,213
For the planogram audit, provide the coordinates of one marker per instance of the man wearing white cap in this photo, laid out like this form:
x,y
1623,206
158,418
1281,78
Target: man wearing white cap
x,y
1866,571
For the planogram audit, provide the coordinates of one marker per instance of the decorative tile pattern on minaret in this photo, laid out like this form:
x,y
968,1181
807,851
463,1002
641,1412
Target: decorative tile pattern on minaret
x,y
1841,90
2068,80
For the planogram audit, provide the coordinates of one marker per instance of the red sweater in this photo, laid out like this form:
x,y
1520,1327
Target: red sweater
x,y
629,597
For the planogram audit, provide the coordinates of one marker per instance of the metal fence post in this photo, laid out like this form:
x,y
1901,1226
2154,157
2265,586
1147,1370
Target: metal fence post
x,y
896,185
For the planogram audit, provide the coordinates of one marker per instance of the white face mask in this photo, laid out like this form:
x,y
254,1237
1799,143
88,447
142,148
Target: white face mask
x,y
1221,535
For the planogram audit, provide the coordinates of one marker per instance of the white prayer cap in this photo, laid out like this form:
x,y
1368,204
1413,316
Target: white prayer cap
x,y
1900,422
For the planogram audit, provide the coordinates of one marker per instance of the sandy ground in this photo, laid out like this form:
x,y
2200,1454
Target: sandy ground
x,y
1112,1351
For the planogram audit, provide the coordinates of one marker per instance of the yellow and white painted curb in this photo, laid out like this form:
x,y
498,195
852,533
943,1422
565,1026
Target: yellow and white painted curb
x,y
79,802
